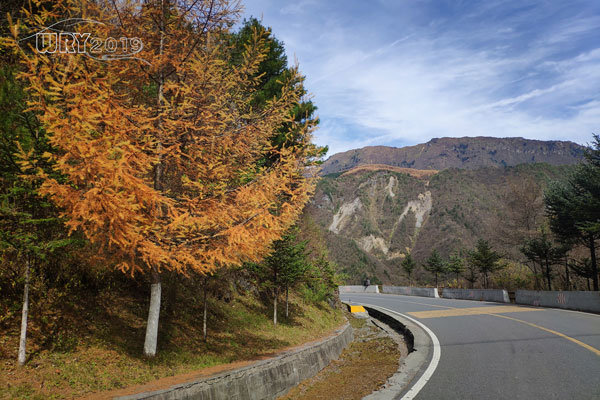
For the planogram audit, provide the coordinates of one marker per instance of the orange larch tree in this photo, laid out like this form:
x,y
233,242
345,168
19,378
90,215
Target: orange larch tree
x,y
162,151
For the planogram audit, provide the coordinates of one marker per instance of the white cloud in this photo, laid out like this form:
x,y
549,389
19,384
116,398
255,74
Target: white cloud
x,y
384,84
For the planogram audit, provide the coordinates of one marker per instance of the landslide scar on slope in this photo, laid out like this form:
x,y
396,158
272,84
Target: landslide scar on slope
x,y
420,207
368,243
390,186
341,218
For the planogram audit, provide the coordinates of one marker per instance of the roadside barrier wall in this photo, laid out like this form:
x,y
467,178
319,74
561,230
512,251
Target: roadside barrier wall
x,y
571,300
359,289
499,296
411,291
267,379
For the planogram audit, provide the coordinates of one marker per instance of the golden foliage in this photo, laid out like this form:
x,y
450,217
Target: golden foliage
x,y
161,158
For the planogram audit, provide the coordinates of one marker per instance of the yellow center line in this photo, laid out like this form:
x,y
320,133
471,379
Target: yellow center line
x,y
562,335
494,311
423,304
457,312
426,304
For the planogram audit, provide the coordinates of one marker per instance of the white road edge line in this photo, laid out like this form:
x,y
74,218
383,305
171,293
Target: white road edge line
x,y
435,359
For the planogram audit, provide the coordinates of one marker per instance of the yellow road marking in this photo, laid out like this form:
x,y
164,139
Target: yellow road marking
x,y
357,309
416,302
457,312
496,311
562,335
426,304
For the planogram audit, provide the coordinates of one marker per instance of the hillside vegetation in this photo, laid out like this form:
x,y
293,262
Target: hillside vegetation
x,y
373,217
417,173
85,338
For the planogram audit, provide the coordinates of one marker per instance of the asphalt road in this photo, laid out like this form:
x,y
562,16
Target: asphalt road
x,y
496,351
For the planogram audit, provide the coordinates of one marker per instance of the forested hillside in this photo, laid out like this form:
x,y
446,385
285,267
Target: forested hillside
x,y
372,218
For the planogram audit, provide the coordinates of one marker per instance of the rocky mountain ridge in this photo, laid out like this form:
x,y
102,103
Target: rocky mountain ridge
x,y
465,152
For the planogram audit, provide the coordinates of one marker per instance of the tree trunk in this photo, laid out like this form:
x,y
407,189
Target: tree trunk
x,y
153,316
204,333
275,295
24,315
287,312
155,289
275,306
568,282
160,103
535,277
592,247
548,275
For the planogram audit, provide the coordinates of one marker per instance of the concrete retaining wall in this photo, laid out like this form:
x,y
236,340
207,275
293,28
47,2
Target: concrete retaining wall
x,y
358,289
266,379
499,296
571,300
411,291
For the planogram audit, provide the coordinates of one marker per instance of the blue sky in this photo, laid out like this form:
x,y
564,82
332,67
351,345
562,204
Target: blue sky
x,y
400,72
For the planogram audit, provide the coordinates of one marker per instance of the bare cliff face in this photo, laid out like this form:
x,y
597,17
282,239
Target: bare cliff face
x,y
371,217
467,152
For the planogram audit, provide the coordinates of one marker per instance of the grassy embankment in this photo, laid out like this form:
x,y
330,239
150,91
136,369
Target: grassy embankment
x,y
96,345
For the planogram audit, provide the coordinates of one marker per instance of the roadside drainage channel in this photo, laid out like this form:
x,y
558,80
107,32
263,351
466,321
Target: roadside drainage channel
x,y
266,379
413,366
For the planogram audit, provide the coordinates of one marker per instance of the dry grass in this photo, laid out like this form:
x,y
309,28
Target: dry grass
x,y
105,352
361,369
417,173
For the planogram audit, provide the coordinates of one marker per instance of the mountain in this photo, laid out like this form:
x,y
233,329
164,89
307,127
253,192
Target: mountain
x,y
372,216
466,152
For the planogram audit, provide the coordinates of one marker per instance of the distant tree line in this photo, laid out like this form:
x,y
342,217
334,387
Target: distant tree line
x,y
480,262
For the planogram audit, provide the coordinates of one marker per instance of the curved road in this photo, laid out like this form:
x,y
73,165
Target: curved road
x,y
503,351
